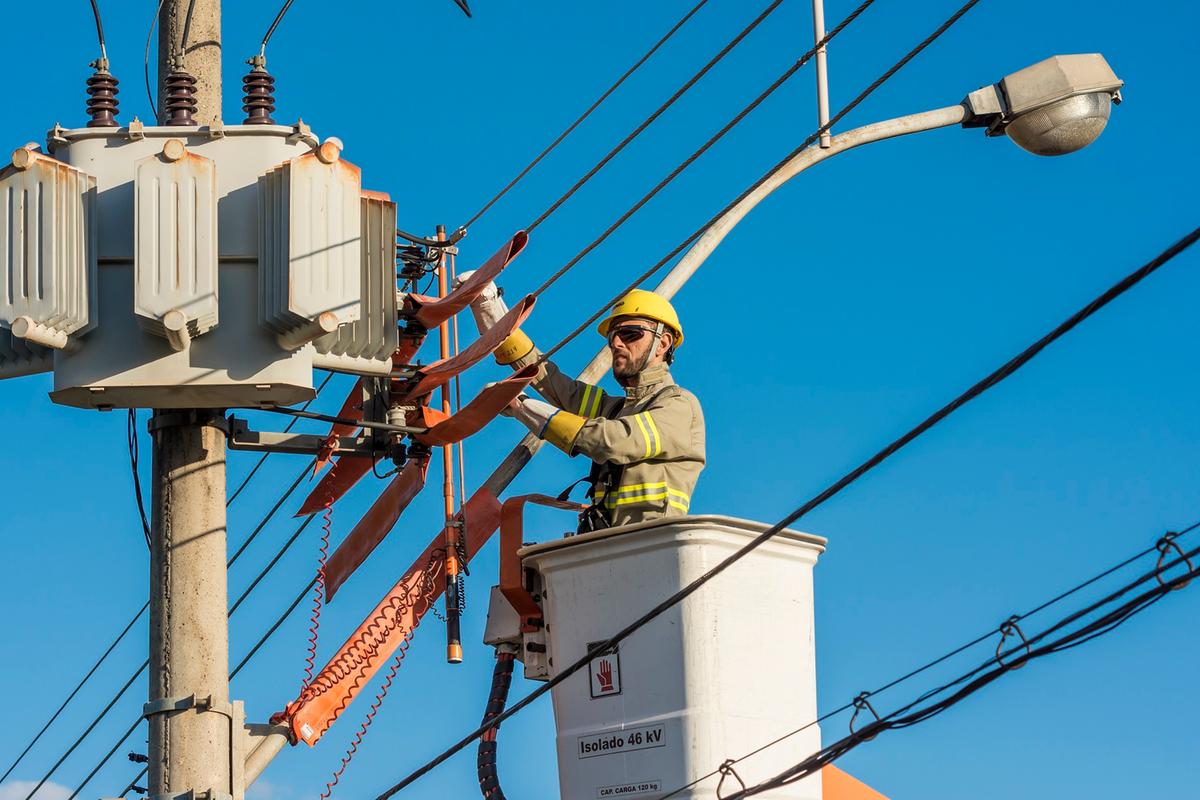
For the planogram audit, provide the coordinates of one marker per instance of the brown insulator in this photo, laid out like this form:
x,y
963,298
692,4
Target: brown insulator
x,y
102,101
259,98
180,102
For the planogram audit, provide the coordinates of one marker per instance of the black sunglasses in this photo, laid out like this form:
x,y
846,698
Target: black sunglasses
x,y
628,334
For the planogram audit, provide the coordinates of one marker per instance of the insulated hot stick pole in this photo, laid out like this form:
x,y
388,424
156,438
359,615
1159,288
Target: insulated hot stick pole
x,y
454,653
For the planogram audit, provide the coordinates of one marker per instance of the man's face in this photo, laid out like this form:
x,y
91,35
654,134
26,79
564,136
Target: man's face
x,y
634,346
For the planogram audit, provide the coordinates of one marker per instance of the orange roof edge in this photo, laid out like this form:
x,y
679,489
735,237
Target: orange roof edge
x,y
838,785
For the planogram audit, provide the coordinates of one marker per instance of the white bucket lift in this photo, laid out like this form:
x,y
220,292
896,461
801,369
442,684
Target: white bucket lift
x,y
729,669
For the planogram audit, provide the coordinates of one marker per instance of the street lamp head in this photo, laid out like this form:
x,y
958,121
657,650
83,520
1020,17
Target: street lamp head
x,y
1054,107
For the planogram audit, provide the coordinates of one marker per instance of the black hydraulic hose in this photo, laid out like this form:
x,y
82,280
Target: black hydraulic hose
x,y
489,778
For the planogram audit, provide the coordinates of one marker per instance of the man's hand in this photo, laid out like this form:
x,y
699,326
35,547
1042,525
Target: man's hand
x,y
489,306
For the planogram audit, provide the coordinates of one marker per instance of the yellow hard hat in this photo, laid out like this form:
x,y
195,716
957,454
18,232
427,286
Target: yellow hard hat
x,y
641,303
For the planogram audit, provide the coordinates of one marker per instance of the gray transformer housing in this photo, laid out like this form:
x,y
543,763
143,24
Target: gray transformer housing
x,y
174,314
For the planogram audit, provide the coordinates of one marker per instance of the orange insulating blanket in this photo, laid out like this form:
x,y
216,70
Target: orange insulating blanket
x,y
479,412
375,525
433,311
388,627
440,372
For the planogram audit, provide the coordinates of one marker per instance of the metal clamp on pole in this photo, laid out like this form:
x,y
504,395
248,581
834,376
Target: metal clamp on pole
x,y
169,705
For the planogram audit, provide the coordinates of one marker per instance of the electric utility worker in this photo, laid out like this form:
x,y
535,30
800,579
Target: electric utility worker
x,y
647,445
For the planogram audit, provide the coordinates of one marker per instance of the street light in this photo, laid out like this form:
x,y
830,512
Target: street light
x,y
1055,107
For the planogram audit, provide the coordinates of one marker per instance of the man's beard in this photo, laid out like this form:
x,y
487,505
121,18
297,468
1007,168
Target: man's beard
x,y
632,368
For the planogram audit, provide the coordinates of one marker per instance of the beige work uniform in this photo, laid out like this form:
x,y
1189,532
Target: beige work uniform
x,y
656,432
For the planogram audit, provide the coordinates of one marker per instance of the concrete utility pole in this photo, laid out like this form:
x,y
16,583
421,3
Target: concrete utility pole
x,y
201,57
192,723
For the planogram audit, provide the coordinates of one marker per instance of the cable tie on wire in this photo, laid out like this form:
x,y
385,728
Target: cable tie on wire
x,y
1164,546
860,703
1007,629
726,769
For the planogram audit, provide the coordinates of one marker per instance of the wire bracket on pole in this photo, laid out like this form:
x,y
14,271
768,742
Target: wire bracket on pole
x,y
1007,629
1164,545
726,769
860,703
169,705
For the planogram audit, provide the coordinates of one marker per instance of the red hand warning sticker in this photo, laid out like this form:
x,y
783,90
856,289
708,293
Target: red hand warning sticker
x,y
605,673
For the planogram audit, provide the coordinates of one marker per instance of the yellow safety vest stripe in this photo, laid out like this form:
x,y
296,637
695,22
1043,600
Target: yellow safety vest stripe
x,y
645,493
645,433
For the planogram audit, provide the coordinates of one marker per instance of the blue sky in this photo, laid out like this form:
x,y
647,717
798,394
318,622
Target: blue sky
x,y
847,307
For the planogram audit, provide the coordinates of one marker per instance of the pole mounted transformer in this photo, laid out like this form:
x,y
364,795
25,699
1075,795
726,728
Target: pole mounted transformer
x,y
190,267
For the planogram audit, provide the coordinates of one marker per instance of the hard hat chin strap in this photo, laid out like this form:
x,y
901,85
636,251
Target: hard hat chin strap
x,y
658,329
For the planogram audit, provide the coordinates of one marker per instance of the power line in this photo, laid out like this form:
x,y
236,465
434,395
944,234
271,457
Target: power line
x,y
237,603
262,459
720,134
233,559
132,441
734,42
146,61
246,660
529,167
1006,661
979,388
1159,546
99,29
275,24
254,583
74,692
882,79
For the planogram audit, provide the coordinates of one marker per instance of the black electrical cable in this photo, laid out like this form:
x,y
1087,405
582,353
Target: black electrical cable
x,y
863,95
974,391
241,549
265,456
657,113
940,659
233,609
485,761
74,692
357,423
146,61
187,28
132,441
587,113
229,563
246,660
275,24
720,134
99,29
996,667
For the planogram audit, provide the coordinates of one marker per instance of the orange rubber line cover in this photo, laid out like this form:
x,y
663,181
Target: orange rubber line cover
x,y
433,311
388,627
346,472
440,372
375,525
838,785
479,412
512,532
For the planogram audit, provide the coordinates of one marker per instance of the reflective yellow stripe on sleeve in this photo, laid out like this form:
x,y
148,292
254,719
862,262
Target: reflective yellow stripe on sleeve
x,y
589,406
654,430
583,404
645,433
